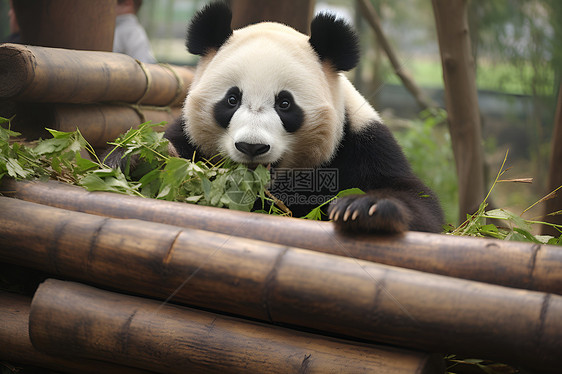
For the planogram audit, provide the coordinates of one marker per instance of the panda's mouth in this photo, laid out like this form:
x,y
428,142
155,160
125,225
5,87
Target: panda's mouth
x,y
253,154
254,165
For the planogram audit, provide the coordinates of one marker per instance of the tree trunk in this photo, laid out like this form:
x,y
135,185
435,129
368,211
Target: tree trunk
x,y
462,101
555,174
294,13
372,17
72,24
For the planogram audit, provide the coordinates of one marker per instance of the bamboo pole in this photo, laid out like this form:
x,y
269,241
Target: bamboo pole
x,y
91,323
335,294
39,74
513,264
17,348
98,123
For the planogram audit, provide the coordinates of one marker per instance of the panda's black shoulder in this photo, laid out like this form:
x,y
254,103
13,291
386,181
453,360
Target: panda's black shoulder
x,y
368,156
176,136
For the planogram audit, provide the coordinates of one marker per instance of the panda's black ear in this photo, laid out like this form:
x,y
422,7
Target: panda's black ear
x,y
209,28
335,41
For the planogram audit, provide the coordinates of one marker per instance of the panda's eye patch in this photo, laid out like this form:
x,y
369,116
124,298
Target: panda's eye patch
x,y
227,106
288,111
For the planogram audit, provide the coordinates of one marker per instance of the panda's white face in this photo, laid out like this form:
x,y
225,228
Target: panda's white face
x,y
265,98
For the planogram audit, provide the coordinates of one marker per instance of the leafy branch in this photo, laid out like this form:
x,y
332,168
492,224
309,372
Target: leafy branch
x,y
518,228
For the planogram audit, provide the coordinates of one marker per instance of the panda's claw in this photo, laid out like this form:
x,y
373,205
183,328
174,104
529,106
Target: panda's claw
x,y
347,214
336,215
370,213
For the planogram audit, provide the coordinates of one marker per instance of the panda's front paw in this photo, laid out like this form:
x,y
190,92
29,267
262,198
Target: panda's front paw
x,y
369,213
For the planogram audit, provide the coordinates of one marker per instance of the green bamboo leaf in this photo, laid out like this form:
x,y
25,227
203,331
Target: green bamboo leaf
x,y
83,164
527,235
15,170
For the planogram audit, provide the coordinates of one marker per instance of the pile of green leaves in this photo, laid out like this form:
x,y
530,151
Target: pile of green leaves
x,y
57,158
156,174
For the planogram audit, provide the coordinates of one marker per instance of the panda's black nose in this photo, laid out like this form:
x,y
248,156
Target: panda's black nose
x,y
250,149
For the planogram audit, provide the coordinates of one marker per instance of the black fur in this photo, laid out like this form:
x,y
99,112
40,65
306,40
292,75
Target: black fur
x,y
174,133
334,41
209,29
391,215
225,109
373,161
292,116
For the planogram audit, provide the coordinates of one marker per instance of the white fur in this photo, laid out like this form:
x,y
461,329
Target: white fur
x,y
255,127
360,112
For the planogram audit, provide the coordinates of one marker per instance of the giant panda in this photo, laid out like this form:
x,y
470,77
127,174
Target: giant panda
x,y
267,94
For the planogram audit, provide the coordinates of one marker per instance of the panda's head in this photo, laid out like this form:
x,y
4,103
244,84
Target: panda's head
x,y
265,93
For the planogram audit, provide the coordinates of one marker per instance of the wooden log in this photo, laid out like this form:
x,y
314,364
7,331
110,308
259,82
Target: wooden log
x,y
98,123
17,347
39,74
269,282
84,321
513,264
67,23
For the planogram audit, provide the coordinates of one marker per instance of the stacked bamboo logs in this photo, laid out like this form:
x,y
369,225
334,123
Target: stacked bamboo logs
x,y
339,295
165,338
513,264
99,123
79,79
16,344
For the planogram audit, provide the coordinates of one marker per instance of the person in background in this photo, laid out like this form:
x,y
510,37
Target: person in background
x,y
14,36
130,37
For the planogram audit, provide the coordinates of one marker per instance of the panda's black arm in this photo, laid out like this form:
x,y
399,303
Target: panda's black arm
x,y
395,200
178,140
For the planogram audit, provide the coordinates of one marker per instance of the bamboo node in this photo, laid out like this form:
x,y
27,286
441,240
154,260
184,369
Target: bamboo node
x,y
148,81
180,87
